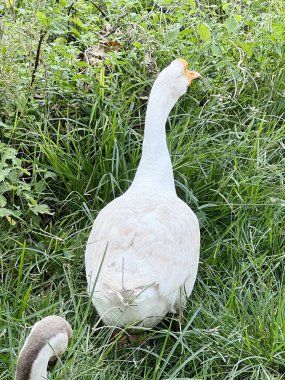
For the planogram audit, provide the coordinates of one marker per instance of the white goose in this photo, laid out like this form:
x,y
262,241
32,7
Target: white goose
x,y
142,254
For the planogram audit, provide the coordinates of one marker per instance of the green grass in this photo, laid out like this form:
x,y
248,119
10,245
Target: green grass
x,y
71,142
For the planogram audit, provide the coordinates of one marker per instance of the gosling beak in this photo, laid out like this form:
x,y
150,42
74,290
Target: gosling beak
x,y
190,75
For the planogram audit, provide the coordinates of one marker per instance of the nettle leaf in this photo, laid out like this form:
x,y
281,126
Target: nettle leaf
x,y
238,17
4,187
75,32
14,175
3,201
9,154
278,50
247,48
4,173
30,199
137,45
204,32
5,212
192,4
225,6
172,34
41,209
231,24
40,186
278,31
186,32
23,190
17,162
49,174
42,18
216,50
76,20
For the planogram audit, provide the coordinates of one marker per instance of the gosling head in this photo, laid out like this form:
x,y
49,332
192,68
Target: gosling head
x,y
48,339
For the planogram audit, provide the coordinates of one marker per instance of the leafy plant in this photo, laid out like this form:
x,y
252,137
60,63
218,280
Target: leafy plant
x,y
19,191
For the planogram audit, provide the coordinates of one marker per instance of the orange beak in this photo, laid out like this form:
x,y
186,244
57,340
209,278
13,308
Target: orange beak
x,y
190,75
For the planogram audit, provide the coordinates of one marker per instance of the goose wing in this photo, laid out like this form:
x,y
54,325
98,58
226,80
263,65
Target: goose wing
x,y
135,244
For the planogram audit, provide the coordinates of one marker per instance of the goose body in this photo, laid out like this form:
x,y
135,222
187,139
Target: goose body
x,y
142,254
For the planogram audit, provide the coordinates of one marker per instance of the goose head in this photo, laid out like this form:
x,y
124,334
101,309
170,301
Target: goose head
x,y
48,339
171,83
174,80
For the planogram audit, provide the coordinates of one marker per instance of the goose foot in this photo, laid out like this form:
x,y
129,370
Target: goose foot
x,y
124,339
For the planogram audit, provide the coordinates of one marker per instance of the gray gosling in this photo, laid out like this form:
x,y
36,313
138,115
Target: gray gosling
x,y
48,339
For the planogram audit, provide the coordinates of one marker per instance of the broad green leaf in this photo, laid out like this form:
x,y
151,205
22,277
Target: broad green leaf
x,y
4,187
186,32
17,162
4,173
75,32
225,6
41,209
237,17
40,186
14,175
50,174
32,201
3,201
137,45
42,18
278,50
278,31
247,48
172,34
5,212
216,50
231,25
80,64
204,32
77,21
192,4
9,154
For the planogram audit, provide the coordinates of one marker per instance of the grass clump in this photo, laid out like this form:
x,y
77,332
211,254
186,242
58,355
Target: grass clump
x,y
71,131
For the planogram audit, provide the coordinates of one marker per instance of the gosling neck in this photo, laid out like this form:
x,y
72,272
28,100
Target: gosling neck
x,y
32,364
35,356
155,169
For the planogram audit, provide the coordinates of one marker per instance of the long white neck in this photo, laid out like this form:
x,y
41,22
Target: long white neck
x,y
155,169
